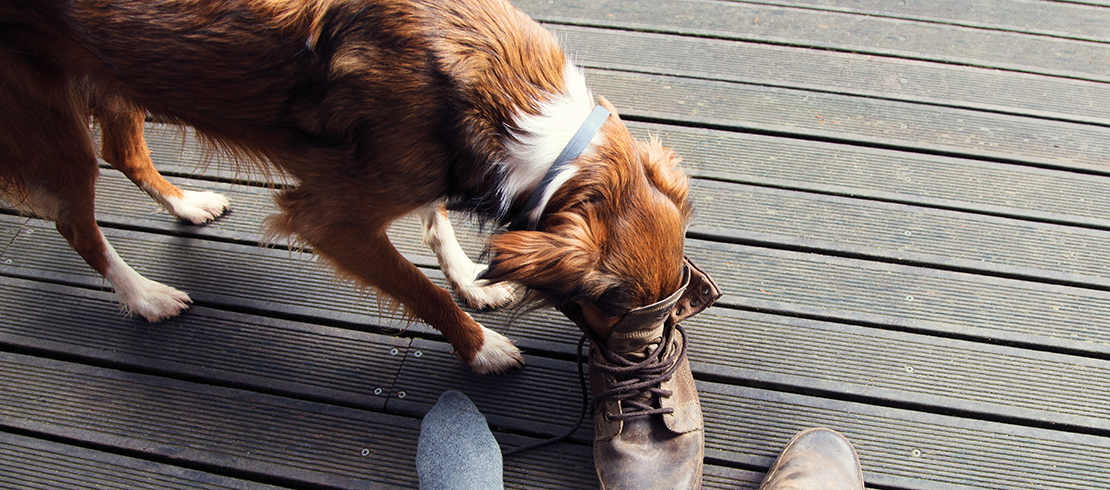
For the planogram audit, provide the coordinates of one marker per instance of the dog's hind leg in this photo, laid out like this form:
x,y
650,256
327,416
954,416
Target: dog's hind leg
x,y
123,146
49,168
461,272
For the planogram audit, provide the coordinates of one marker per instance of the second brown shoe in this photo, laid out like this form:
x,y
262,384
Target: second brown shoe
x,y
815,459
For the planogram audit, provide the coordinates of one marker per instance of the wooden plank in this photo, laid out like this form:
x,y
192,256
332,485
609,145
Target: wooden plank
x,y
724,478
256,436
243,278
949,183
795,219
920,372
740,458
906,298
121,203
900,448
1057,19
900,233
36,464
544,399
837,31
204,426
856,120
845,73
948,450
301,360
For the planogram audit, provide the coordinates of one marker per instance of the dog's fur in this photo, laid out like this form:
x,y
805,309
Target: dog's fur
x,y
377,109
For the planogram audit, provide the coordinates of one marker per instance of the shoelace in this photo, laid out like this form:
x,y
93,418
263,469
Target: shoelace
x,y
638,378
646,375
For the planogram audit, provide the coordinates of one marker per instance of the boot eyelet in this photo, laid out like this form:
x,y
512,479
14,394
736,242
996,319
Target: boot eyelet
x,y
705,291
693,303
680,311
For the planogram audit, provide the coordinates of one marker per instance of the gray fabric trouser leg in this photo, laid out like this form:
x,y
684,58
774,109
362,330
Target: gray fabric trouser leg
x,y
457,451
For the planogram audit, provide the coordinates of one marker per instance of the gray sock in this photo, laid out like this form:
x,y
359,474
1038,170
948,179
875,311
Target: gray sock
x,y
457,451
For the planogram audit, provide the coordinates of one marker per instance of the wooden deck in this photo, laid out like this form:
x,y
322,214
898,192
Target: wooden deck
x,y
905,204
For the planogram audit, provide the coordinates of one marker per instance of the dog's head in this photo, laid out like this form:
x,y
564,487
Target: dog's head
x,y
611,238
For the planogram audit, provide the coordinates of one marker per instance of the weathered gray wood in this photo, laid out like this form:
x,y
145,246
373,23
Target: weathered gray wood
x,y
257,436
1058,19
856,120
949,303
543,399
902,369
902,448
848,32
796,219
909,298
837,72
928,180
297,359
249,433
35,464
802,284
901,233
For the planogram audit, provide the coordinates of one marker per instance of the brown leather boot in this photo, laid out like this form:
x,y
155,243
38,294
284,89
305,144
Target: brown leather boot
x,y
648,429
816,459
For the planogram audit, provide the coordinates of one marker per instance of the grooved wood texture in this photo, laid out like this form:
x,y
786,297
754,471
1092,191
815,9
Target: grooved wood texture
x,y
904,204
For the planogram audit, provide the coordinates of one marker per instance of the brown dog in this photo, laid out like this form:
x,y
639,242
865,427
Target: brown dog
x,y
377,109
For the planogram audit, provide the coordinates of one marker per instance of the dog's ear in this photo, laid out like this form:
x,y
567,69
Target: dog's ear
x,y
661,166
556,267
603,102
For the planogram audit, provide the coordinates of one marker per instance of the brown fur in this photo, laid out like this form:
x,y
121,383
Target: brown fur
x,y
375,107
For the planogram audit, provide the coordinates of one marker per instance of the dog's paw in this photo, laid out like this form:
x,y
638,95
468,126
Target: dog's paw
x,y
497,354
198,207
481,295
155,301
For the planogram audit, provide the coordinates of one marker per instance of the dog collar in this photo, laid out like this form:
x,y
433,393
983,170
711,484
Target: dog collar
x,y
577,144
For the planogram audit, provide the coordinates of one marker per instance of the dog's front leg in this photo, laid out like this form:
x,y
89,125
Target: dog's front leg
x,y
461,272
363,251
381,266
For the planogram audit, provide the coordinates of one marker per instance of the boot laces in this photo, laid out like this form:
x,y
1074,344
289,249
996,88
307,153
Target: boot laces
x,y
639,382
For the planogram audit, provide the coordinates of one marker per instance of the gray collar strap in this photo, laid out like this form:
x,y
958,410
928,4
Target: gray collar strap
x,y
574,149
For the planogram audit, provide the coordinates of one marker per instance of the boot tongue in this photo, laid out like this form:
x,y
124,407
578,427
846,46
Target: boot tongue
x,y
639,333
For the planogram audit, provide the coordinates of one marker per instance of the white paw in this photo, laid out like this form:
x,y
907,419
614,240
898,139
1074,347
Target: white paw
x,y
497,355
155,301
481,295
198,207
